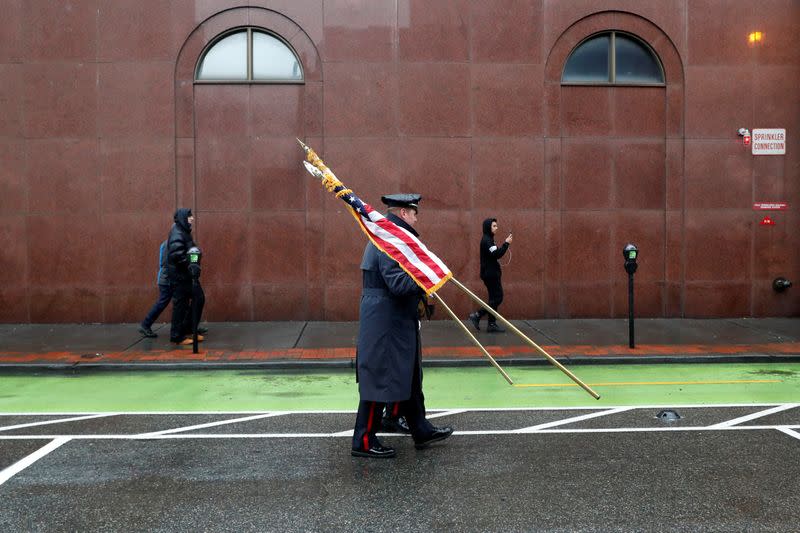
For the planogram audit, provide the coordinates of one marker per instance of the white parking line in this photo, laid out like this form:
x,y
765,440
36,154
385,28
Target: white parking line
x,y
791,428
60,420
789,432
753,416
546,425
25,462
208,425
447,413
352,411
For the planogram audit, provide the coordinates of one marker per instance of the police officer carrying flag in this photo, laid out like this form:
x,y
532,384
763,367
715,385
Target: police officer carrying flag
x,y
388,356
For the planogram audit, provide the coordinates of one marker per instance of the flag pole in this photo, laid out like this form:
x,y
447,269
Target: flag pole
x,y
524,337
474,340
317,168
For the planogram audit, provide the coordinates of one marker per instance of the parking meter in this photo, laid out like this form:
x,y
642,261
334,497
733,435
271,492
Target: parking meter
x,y
194,255
631,255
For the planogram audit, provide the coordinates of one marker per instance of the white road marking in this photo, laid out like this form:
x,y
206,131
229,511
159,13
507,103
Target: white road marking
x,y
25,462
753,416
791,433
349,433
447,413
208,425
546,425
438,409
46,422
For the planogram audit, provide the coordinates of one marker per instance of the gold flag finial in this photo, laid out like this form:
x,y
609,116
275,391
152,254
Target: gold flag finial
x,y
317,168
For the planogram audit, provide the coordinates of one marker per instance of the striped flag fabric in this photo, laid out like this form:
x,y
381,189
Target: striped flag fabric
x,y
427,270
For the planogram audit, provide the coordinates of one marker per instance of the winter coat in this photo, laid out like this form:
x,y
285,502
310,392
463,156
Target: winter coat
x,y
162,264
490,252
388,336
178,244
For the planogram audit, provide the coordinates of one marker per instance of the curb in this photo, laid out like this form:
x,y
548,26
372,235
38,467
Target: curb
x,y
342,364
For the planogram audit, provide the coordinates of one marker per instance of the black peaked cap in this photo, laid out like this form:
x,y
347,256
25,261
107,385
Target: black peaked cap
x,y
402,200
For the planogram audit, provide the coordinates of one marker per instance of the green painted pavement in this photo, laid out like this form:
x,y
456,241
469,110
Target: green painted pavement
x,y
260,390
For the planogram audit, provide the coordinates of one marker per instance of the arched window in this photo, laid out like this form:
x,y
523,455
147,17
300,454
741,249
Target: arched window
x,y
612,58
249,55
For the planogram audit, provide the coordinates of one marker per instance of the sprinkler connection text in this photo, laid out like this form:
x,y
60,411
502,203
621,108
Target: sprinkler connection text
x,y
769,141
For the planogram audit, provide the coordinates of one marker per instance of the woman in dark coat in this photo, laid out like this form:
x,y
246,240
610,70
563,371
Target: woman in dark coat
x,y
389,349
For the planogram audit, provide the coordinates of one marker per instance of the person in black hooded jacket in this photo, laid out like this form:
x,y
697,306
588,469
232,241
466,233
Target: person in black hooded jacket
x,y
491,274
184,294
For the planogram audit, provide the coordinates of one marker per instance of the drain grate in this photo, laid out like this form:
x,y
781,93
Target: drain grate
x,y
668,415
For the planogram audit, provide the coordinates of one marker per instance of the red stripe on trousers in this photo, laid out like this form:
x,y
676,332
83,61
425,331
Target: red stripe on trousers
x,y
369,425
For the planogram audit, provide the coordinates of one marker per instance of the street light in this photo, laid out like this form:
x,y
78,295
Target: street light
x,y
755,37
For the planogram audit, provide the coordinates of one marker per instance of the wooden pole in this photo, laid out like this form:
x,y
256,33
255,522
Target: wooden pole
x,y
524,337
474,340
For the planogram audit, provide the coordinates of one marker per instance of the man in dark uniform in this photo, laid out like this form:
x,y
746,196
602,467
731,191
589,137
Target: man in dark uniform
x,y
388,366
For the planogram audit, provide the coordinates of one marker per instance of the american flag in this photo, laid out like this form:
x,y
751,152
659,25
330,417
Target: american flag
x,y
427,270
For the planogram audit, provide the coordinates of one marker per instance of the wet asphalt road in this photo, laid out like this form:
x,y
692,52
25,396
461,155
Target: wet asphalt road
x,y
215,479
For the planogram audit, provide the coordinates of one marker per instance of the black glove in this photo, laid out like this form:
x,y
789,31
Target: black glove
x,y
194,270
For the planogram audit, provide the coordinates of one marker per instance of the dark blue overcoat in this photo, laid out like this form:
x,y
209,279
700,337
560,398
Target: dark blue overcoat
x,y
388,336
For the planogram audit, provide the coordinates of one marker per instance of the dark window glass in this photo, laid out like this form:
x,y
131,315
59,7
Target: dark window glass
x,y
589,61
635,63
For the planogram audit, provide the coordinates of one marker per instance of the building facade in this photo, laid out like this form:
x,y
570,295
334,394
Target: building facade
x,y
112,115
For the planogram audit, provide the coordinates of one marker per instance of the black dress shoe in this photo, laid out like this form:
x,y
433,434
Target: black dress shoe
x,y
437,435
476,320
377,451
494,328
395,425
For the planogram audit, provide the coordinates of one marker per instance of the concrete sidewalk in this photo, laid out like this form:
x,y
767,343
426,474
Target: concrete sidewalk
x,y
326,344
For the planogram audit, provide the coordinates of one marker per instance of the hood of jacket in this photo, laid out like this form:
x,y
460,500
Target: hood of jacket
x,y
487,226
181,218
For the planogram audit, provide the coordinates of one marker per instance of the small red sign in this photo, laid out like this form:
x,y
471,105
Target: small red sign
x,y
766,221
770,206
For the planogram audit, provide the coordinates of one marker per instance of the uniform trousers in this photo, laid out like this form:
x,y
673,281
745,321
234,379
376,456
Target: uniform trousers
x,y
368,419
